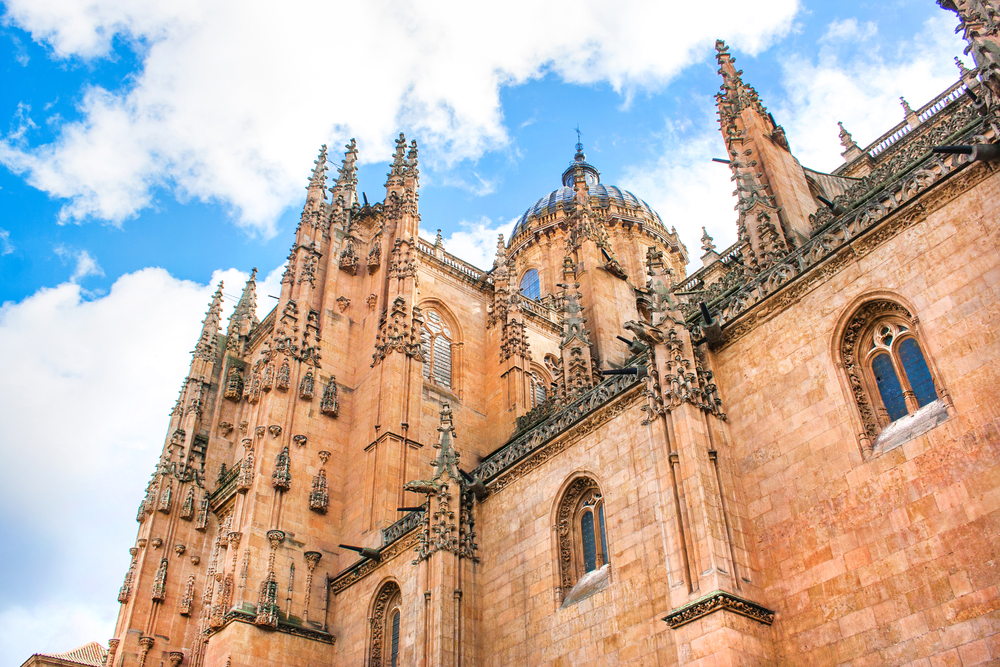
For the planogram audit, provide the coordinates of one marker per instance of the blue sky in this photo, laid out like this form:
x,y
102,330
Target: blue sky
x,y
149,149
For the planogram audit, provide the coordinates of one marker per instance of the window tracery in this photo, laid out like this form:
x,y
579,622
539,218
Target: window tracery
x,y
385,621
580,525
886,367
436,341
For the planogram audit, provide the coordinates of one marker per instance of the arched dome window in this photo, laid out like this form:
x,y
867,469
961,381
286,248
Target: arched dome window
x,y
436,341
529,285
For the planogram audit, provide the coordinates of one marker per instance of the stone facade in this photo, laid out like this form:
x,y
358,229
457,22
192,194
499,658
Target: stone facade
x,y
411,462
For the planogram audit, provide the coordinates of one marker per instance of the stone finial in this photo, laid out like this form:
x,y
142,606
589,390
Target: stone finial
x,y
851,149
438,241
911,117
962,70
706,241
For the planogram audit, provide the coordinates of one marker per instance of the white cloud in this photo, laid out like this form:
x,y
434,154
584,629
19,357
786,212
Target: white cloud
x,y
857,79
686,188
6,247
474,242
86,265
85,406
234,97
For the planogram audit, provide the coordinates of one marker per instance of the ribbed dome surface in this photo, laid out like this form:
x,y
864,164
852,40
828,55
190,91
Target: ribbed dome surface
x,y
603,194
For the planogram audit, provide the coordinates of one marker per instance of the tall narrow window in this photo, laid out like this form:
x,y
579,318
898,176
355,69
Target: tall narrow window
x,y
538,393
394,645
436,341
583,542
385,627
529,285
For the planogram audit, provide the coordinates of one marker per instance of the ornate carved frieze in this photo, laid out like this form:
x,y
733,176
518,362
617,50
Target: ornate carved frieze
x,y
328,404
719,600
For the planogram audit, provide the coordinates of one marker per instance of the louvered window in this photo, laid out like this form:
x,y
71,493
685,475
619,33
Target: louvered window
x,y
436,342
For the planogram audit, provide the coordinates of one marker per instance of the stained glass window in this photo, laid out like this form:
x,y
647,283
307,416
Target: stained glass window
x,y
589,543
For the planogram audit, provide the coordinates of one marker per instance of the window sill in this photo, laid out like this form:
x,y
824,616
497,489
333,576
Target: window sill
x,y
909,427
593,582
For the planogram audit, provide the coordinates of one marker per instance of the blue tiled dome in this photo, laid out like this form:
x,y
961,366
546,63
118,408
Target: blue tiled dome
x,y
601,196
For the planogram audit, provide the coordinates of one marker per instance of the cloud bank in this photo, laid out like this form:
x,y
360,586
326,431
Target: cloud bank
x,y
233,98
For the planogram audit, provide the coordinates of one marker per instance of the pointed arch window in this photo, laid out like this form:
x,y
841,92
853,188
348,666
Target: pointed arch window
x,y
530,286
538,391
385,627
583,540
887,370
436,341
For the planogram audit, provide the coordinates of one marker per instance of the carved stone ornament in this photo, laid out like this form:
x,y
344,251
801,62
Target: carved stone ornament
x,y
580,487
157,542
179,549
281,478
343,302
141,543
389,591
275,537
260,431
195,560
176,658
714,602
274,430
324,456
371,301
244,425
299,440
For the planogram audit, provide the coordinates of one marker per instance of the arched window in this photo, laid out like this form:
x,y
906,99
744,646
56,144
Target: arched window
x,y
583,541
529,285
385,622
538,391
436,340
886,367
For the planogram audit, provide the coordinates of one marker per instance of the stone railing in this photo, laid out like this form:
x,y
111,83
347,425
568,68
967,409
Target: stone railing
x,y
537,308
560,420
409,521
450,260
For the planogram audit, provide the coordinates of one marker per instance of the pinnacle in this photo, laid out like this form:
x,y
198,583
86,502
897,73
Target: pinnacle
x,y
318,178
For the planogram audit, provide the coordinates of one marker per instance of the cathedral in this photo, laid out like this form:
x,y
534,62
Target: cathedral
x,y
587,455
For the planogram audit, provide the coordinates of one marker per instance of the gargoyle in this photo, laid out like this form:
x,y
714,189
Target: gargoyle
x,y
647,333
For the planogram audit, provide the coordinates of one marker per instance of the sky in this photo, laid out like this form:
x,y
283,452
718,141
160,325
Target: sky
x,y
149,149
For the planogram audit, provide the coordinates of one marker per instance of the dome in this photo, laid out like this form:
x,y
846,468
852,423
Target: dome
x,y
601,196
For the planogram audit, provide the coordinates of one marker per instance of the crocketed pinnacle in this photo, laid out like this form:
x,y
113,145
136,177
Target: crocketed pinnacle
x,y
398,168
246,309
347,179
447,458
318,178
206,347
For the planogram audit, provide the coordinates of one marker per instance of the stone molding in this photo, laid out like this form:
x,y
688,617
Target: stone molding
x,y
715,601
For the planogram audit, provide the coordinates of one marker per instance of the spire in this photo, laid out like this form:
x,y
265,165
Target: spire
x,y
317,181
774,199
579,157
411,159
399,167
206,347
244,317
962,70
